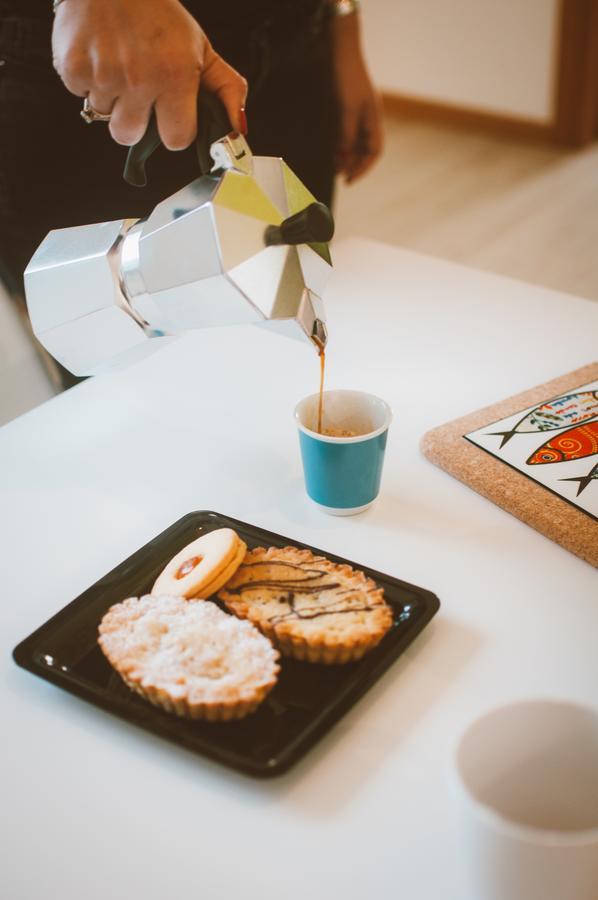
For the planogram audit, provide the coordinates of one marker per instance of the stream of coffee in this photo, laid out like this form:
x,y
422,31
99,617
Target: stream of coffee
x,y
322,354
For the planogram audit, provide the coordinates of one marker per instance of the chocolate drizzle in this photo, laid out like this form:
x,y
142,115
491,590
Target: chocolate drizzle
x,y
291,589
313,612
283,585
309,573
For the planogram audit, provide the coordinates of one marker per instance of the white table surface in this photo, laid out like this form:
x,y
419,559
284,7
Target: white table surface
x,y
93,807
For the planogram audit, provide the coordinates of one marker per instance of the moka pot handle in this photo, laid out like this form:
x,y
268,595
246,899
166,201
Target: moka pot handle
x,y
212,124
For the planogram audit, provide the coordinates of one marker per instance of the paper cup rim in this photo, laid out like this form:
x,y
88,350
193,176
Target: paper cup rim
x,y
546,837
356,439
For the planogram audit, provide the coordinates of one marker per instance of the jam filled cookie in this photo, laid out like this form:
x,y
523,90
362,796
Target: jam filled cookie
x,y
189,657
203,566
310,608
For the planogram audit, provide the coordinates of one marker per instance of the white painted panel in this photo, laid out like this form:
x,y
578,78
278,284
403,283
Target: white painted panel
x,y
491,55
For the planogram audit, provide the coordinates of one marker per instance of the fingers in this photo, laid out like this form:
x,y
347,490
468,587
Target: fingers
x,y
102,101
176,108
360,140
75,70
220,78
130,56
347,141
129,118
368,143
98,76
131,108
113,91
176,114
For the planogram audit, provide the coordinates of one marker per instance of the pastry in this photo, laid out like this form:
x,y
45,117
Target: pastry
x,y
310,608
188,656
203,566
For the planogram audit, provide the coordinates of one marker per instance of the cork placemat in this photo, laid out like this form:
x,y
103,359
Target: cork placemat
x,y
559,518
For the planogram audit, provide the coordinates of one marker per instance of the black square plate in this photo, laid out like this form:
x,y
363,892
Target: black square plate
x,y
305,703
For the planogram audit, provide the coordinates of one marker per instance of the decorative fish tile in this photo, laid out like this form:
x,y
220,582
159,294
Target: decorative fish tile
x,y
575,443
567,463
584,480
570,409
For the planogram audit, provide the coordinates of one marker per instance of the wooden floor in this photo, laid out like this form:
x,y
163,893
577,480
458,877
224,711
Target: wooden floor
x,y
521,209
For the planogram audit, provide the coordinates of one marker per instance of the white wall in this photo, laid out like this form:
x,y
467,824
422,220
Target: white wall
x,y
492,55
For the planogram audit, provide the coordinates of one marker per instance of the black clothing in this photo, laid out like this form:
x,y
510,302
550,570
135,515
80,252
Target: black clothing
x,y
56,171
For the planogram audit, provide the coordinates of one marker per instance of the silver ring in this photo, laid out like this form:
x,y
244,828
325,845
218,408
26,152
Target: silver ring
x,y
89,114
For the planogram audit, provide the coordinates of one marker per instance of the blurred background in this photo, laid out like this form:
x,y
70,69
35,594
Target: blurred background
x,y
492,118
491,160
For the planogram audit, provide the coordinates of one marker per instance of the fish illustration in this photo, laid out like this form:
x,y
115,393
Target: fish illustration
x,y
575,443
584,480
570,409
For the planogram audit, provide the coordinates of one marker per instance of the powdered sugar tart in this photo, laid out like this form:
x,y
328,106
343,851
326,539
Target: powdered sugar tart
x,y
310,608
188,656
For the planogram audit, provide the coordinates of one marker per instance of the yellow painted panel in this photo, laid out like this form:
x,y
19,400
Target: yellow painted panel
x,y
298,198
297,194
240,193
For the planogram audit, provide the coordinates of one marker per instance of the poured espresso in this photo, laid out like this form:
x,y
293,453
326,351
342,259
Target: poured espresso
x,y
322,355
329,432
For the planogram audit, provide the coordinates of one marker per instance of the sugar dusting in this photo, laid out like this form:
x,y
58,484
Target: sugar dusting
x,y
189,648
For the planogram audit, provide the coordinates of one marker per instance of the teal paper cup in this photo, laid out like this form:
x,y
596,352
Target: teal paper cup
x,y
343,473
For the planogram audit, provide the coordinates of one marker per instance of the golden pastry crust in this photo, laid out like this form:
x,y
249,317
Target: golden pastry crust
x,y
188,656
202,567
311,608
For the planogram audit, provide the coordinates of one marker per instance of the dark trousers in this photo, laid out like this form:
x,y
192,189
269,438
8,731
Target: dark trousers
x,y
56,171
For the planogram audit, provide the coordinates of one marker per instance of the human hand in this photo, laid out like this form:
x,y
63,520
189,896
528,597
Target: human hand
x,y
129,56
360,136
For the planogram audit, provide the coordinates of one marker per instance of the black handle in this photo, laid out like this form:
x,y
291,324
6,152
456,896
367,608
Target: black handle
x,y
212,124
311,225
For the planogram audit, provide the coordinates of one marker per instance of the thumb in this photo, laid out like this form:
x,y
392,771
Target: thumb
x,y
224,81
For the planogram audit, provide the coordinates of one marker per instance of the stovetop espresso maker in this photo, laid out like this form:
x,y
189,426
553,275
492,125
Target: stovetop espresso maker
x,y
244,242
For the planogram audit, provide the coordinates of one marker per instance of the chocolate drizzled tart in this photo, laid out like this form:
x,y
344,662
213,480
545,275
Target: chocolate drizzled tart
x,y
309,607
188,656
